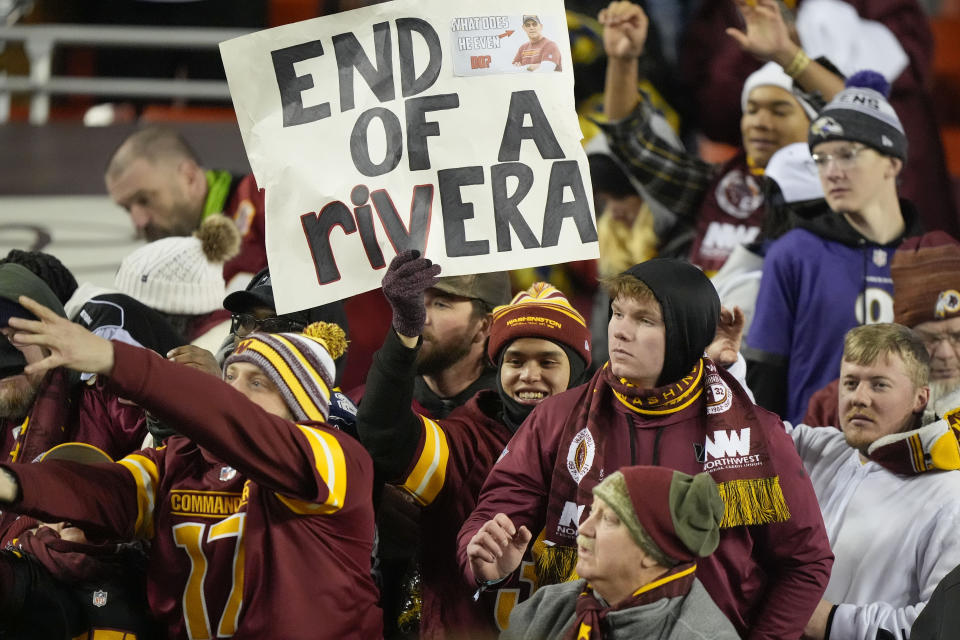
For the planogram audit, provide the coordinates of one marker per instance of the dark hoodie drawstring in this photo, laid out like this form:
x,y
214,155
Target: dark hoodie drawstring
x,y
633,443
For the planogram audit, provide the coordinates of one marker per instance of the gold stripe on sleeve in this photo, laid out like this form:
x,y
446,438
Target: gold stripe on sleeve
x,y
145,475
430,472
331,466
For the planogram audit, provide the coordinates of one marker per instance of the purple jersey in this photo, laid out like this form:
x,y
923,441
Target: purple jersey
x,y
812,292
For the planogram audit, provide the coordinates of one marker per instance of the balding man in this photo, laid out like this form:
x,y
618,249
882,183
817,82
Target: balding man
x,y
158,179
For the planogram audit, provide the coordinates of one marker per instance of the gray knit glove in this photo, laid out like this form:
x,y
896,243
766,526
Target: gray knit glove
x,y
407,278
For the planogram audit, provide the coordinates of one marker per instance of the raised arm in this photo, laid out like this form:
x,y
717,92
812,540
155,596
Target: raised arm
x,y
388,427
673,178
307,462
767,37
624,36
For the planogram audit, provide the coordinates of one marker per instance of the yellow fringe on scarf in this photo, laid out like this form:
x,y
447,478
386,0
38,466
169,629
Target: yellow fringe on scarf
x,y
756,501
554,565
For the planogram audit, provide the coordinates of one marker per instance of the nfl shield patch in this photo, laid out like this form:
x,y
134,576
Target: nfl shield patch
x,y
99,598
227,474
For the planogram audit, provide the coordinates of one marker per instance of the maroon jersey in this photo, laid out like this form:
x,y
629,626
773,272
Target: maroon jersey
x,y
273,543
452,460
543,50
66,410
731,214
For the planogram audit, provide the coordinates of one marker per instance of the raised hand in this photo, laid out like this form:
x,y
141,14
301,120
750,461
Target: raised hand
x,y
408,276
726,343
196,357
766,35
66,343
624,29
496,550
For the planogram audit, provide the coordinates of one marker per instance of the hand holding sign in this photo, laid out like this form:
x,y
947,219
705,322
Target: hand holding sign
x,y
407,278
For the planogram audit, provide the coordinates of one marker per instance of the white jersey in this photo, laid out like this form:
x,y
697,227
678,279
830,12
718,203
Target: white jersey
x,y
894,537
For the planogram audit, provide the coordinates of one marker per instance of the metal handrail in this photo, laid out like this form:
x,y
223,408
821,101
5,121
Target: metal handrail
x,y
41,39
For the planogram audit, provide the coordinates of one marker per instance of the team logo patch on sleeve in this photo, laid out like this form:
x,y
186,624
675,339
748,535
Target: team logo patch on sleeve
x,y
581,454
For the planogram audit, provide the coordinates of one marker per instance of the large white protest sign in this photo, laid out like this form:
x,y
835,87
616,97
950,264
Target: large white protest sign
x,y
417,124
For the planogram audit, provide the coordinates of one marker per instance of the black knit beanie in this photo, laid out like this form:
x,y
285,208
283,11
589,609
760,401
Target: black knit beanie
x,y
690,308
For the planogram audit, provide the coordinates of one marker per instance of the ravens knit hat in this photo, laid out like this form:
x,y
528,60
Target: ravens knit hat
x,y
861,113
300,364
672,516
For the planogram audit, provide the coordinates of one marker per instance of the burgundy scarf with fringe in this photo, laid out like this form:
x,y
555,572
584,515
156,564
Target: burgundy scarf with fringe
x,y
591,613
708,396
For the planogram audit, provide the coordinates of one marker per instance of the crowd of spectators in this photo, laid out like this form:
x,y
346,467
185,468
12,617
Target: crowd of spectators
x,y
649,446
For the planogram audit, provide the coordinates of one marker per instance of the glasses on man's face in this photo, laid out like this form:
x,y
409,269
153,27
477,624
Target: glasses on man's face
x,y
845,158
933,340
244,323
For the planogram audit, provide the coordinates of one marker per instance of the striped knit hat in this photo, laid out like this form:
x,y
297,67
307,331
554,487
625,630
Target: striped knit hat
x,y
300,364
539,312
182,275
861,113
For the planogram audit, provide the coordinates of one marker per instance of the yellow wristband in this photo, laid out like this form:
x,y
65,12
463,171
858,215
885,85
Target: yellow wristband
x,y
798,65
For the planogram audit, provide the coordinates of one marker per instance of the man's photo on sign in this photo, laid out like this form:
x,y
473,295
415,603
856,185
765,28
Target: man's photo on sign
x,y
539,53
497,44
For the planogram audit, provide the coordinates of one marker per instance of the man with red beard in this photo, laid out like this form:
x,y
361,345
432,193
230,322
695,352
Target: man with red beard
x,y
540,345
451,367
889,491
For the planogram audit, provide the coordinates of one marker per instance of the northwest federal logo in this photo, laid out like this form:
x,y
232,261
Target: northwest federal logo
x,y
726,450
570,519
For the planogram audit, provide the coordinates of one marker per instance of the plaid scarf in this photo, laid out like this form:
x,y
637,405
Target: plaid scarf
x,y
734,452
591,613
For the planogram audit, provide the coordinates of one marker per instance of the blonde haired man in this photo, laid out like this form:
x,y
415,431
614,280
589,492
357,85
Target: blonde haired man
x,y
889,492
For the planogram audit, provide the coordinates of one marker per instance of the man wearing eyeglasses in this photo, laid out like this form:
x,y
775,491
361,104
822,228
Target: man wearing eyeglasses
x,y
832,273
926,285
253,310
